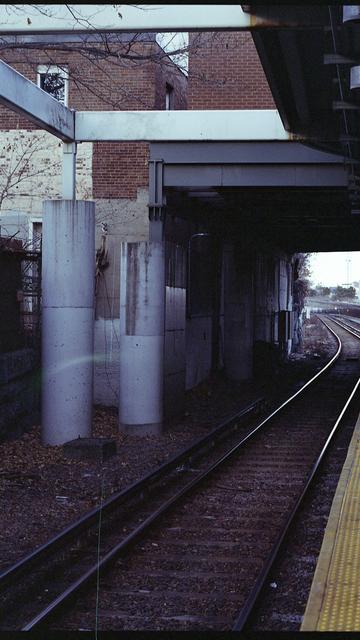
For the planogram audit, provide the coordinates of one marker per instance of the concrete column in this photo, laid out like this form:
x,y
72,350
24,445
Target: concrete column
x,y
264,297
68,267
142,320
238,314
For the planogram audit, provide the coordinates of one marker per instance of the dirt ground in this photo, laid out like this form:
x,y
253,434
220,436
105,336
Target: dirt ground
x,y
42,490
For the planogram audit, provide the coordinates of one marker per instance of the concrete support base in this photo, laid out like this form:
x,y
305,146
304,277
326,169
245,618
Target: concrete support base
x,y
142,320
67,320
151,429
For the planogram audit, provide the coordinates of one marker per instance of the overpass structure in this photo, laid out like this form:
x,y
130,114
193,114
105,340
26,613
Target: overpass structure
x,y
289,174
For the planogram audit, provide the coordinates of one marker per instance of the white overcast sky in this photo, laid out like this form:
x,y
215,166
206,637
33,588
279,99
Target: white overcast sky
x,y
334,268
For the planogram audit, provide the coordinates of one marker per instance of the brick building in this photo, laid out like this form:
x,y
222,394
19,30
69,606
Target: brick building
x,y
93,81
225,73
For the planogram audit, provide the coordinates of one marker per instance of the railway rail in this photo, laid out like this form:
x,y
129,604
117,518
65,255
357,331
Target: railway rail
x,y
138,562
349,323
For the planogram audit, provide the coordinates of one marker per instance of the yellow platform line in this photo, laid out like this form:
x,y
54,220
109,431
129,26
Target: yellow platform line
x,y
334,600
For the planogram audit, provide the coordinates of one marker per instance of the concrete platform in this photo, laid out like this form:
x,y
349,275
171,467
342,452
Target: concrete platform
x,y
334,600
90,448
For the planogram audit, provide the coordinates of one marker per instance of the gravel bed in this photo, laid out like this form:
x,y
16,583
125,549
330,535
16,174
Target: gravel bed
x,y
287,590
42,490
149,591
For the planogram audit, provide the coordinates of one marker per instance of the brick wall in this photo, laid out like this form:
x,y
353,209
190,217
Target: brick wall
x,y
119,169
225,73
168,73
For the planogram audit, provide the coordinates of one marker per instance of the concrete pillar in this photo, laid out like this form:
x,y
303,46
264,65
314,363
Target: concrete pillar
x,y
68,268
142,327
238,314
264,297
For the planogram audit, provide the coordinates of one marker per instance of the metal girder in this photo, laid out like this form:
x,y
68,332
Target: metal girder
x,y
243,175
156,195
80,18
21,95
149,126
241,153
296,73
298,16
341,105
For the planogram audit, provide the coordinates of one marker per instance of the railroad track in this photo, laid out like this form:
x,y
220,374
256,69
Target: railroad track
x,y
352,325
65,556
190,546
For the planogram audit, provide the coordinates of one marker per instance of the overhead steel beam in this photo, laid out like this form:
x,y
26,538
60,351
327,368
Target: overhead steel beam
x,y
148,126
289,15
341,105
79,18
244,175
21,95
241,153
296,74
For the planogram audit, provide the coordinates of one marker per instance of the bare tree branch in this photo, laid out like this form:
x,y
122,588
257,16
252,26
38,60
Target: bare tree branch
x,y
19,163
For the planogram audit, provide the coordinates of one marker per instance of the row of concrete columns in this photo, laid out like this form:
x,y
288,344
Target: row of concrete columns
x,y
68,284
68,279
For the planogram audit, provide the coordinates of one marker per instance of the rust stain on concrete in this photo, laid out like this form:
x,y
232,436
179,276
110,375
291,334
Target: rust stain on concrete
x,y
132,283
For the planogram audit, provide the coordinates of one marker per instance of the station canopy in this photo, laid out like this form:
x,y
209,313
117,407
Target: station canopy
x,y
313,69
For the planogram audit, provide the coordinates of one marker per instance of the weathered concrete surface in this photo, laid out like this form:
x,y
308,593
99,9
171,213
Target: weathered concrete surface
x,y
142,328
198,350
238,313
43,178
126,218
94,448
67,320
117,220
273,287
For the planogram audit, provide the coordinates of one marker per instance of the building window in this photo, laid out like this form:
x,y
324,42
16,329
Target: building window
x,y
169,97
53,80
35,234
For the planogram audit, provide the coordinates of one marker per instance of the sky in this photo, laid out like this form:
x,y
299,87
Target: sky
x,y
335,268
173,41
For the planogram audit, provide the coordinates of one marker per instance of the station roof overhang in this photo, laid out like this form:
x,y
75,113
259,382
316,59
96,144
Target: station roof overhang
x,y
308,65
283,192
306,196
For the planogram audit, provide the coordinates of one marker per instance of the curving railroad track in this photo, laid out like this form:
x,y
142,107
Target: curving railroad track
x,y
191,545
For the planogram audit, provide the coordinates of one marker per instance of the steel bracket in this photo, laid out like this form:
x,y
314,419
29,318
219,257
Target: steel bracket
x,y
157,199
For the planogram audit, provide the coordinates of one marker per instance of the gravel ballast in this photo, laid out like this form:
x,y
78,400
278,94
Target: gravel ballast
x,y
43,490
